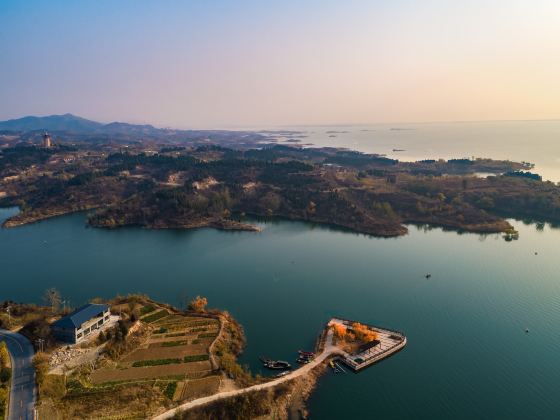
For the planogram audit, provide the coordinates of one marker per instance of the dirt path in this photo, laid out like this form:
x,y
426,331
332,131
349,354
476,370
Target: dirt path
x,y
327,352
213,362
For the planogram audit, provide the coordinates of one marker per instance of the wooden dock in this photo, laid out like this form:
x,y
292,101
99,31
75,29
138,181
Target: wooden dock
x,y
387,343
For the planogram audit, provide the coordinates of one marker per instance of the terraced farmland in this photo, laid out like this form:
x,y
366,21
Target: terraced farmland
x,y
154,358
176,348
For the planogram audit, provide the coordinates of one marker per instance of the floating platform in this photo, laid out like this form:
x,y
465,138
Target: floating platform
x,y
388,342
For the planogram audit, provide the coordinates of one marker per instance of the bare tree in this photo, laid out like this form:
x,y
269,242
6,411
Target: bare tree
x,y
53,298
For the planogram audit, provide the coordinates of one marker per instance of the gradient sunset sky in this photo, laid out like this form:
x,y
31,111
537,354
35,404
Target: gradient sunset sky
x,y
241,63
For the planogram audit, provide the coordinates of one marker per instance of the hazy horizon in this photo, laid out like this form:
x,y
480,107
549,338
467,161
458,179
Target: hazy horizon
x,y
242,64
287,125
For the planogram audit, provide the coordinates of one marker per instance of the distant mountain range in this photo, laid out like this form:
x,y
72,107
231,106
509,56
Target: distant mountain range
x,y
69,127
73,124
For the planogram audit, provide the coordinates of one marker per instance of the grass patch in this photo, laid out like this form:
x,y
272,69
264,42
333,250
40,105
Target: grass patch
x,y
147,309
154,317
173,343
52,386
197,388
196,358
170,390
156,362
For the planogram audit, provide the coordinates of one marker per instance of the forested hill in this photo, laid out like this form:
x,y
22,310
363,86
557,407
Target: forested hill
x,y
190,187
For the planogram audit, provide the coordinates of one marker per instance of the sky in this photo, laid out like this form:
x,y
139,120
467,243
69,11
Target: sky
x,y
241,63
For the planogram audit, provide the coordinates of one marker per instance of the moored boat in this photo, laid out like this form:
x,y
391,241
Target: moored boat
x,y
277,364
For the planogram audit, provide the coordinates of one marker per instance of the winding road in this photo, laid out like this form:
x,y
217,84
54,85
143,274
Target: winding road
x,y
329,350
23,393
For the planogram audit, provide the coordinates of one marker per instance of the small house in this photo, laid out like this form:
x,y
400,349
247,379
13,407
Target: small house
x,y
79,324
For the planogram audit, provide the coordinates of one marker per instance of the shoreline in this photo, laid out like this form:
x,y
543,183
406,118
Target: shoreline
x,y
299,383
499,226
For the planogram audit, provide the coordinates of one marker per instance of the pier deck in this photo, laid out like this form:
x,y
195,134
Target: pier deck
x,y
388,342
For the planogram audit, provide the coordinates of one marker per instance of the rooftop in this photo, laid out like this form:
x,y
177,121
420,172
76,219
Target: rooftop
x,y
81,315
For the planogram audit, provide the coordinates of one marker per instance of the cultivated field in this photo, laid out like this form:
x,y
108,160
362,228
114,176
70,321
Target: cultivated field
x,y
176,348
197,388
153,358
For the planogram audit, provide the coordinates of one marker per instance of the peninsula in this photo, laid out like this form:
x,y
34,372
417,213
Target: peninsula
x,y
132,357
170,181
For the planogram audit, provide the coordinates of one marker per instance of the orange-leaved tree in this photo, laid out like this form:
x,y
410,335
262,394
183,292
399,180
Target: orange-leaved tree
x,y
339,331
198,304
363,333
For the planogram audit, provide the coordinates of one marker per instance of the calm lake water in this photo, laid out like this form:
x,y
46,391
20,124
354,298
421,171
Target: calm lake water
x,y
537,142
468,355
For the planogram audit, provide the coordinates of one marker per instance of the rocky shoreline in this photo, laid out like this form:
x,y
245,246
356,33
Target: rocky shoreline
x,y
22,219
394,230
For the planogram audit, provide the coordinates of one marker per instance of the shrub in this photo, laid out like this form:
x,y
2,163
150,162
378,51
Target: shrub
x,y
5,374
41,364
52,387
170,390
3,401
4,355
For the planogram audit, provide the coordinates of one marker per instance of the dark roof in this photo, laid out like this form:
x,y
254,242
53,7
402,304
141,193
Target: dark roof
x,y
80,315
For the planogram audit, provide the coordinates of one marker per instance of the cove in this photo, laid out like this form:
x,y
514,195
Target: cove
x,y
468,355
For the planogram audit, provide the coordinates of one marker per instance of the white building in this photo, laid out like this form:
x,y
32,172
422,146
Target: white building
x,y
79,324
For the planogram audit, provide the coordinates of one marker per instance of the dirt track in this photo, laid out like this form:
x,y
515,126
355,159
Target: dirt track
x,y
327,352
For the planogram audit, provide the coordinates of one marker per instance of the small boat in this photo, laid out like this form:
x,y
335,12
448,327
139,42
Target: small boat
x,y
428,275
282,374
306,353
276,364
303,360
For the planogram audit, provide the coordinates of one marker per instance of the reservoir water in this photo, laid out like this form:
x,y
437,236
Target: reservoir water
x,y
468,355
537,142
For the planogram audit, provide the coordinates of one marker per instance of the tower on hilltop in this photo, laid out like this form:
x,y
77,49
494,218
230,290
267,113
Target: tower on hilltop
x,y
47,141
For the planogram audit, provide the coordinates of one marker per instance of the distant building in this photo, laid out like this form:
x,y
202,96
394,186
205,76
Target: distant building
x,y
79,324
47,141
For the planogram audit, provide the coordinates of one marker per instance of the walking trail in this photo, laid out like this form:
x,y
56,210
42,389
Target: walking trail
x,y
328,351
